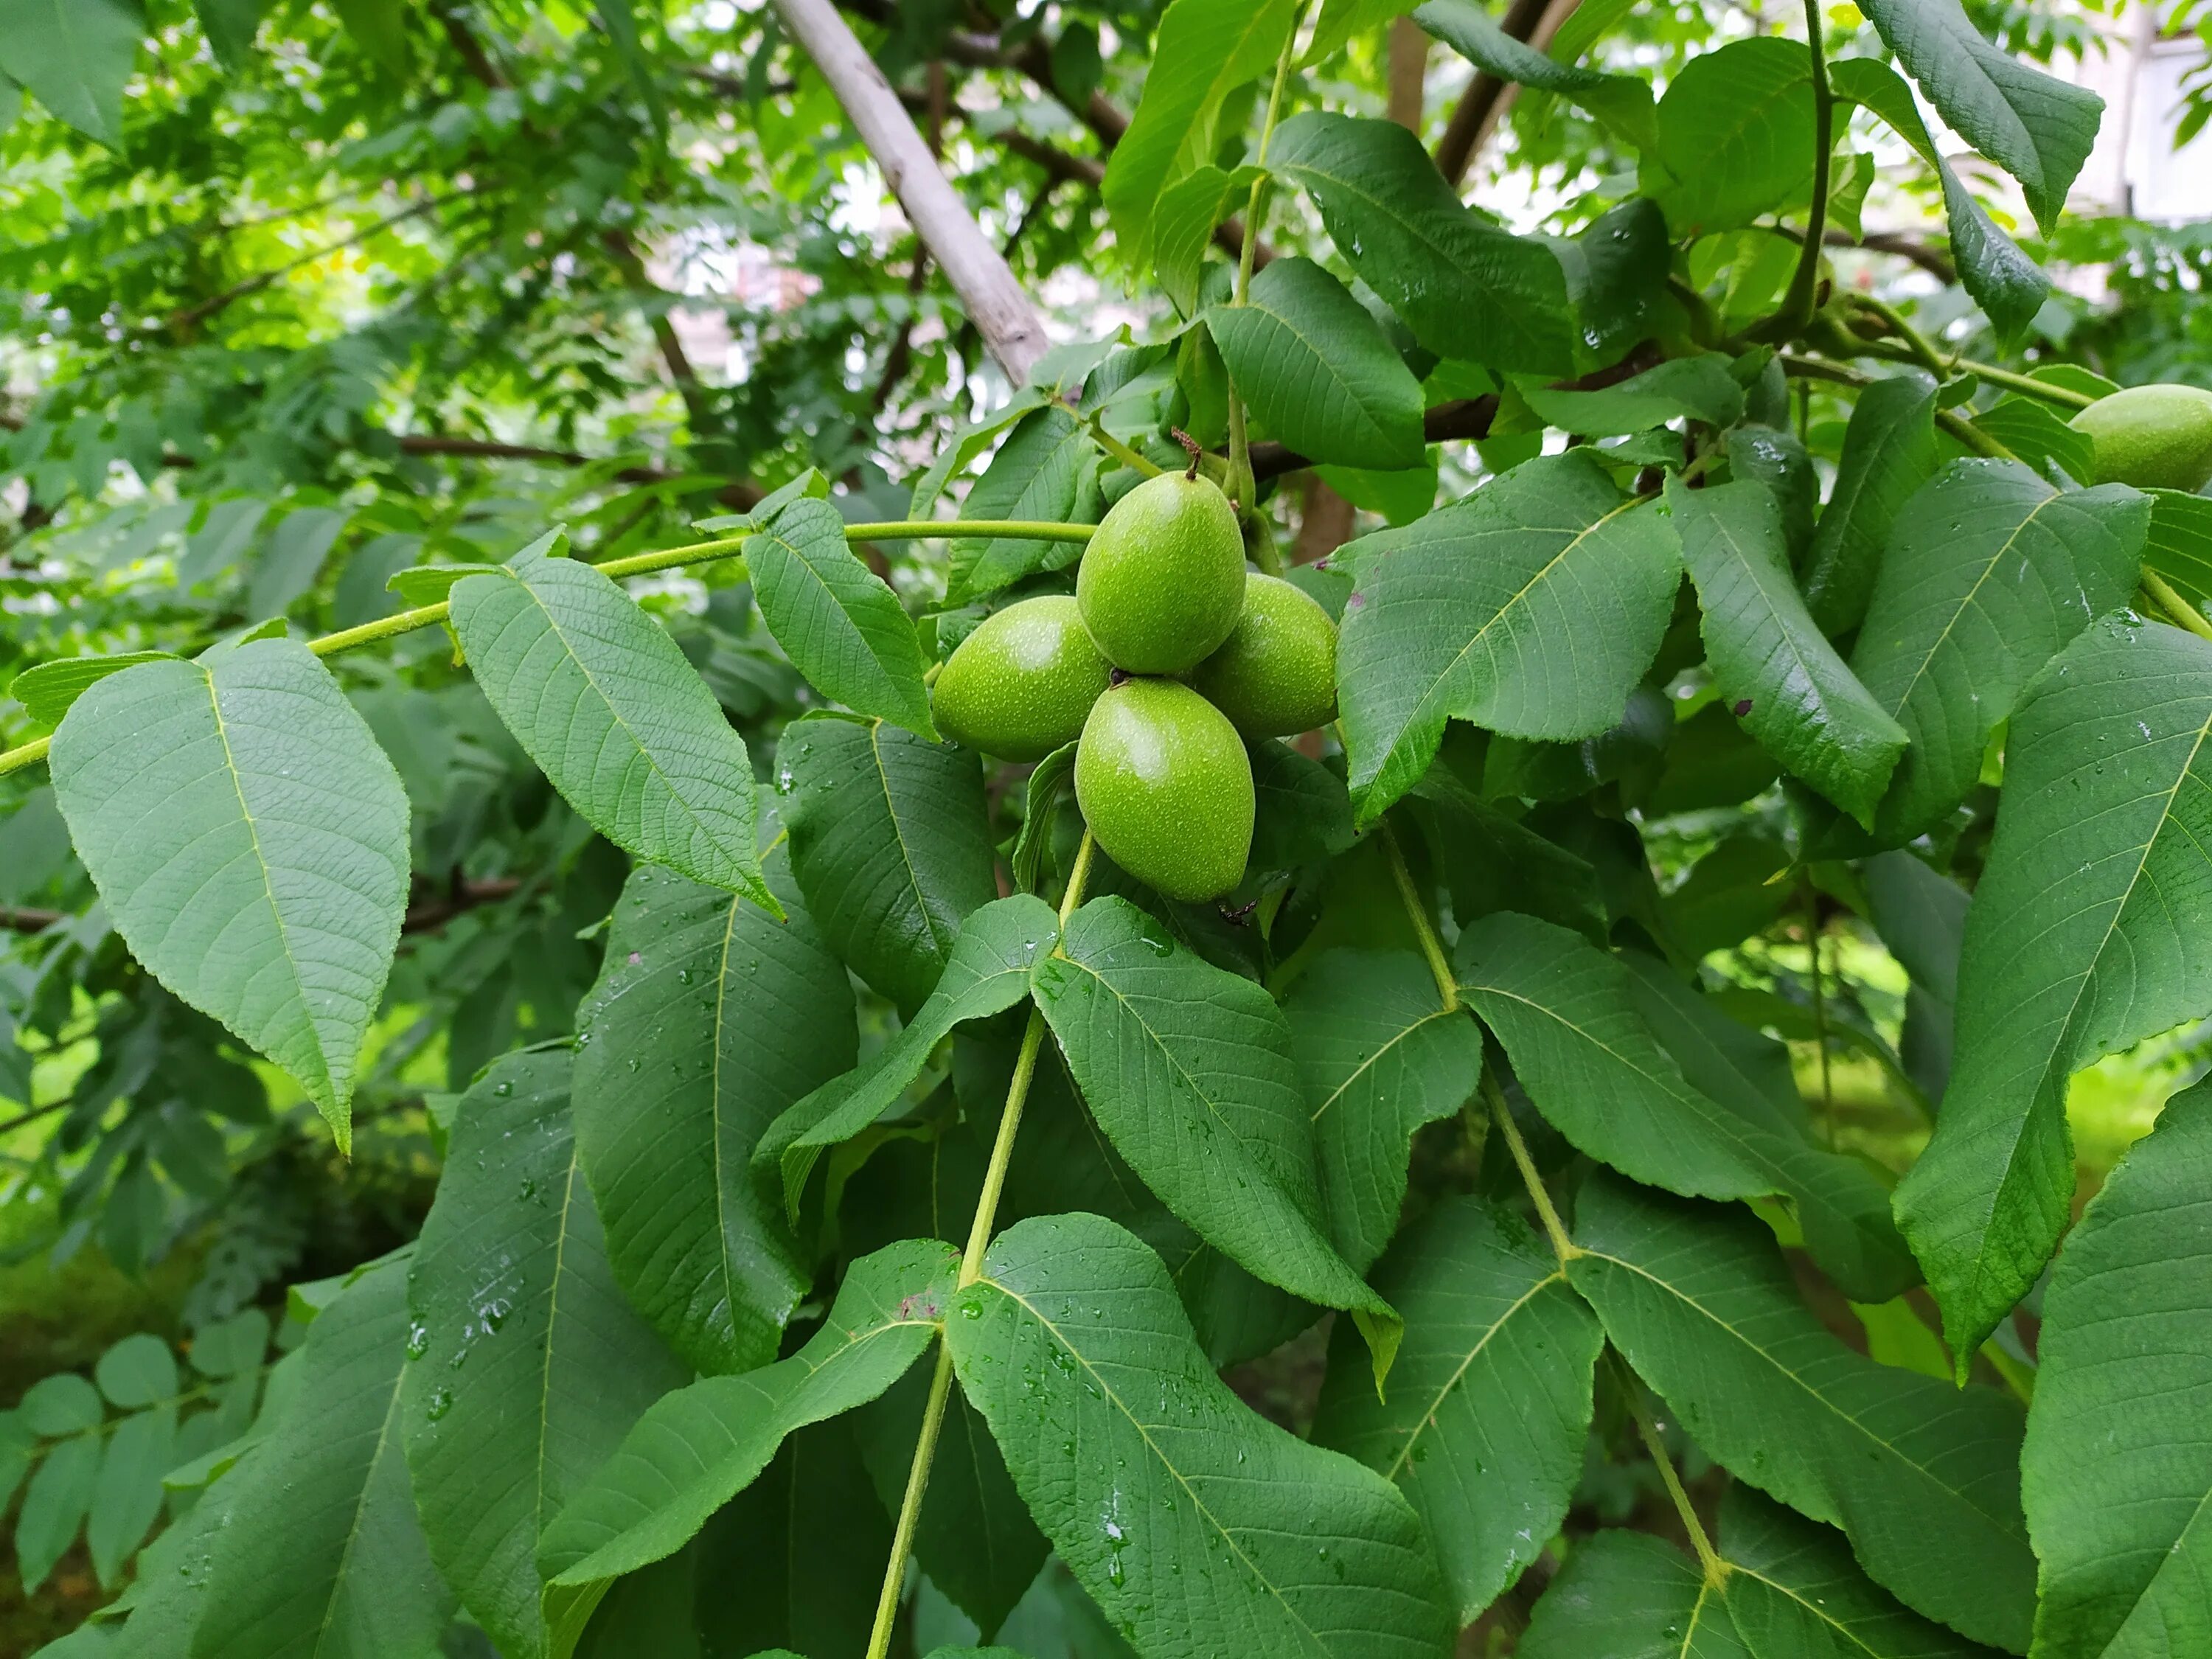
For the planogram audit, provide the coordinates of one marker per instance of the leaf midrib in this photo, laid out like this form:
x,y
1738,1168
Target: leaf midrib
x,y
360,1507
1428,1417
1376,1059
1967,602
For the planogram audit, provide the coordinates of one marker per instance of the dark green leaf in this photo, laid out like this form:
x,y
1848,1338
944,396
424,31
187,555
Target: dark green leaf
x,y
1466,287
1629,1595
1047,469
1696,388
1316,370
614,716
1622,102
1489,1404
126,1498
1731,894
74,56
2117,1470
1769,659
2088,933
890,843
2036,433
1889,452
1532,607
510,1276
1990,571
2180,547
1301,814
1199,1528
708,1021
249,841
229,26
1182,228
837,621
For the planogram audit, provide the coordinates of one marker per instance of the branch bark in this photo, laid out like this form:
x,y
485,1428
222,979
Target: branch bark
x,y
1487,98
996,303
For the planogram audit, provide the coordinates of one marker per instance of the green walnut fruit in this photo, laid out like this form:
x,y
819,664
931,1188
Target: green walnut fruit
x,y
2155,437
1022,683
1162,581
1166,787
1276,673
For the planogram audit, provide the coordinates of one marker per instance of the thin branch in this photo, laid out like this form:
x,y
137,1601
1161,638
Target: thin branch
x,y
996,303
1476,115
183,321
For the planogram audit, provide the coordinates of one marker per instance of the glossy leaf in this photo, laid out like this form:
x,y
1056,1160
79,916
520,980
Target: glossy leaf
x,y
1923,1479
2086,933
323,1553
1199,1526
601,697
696,1447
1532,607
1047,469
890,843
1188,1069
1735,135
249,841
74,56
1467,288
525,1363
1377,1057
710,1019
1489,1404
1990,571
2118,1471
838,621
1889,452
1769,660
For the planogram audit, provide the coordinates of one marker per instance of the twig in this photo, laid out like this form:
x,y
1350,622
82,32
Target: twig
x,y
1715,1569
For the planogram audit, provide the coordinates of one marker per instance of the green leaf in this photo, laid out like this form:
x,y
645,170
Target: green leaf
x,y
2180,547
890,841
1769,659
47,689
1342,20
1922,1479
1695,388
1489,1404
838,621
139,1371
1731,894
1188,1069
616,717
1889,452
249,840
54,1504
1047,471
1048,779
2036,433
291,557
2117,1474
1204,50
1616,278
1301,814
323,1552
1990,571
968,442
74,56
2086,933
1532,607
987,972
2036,127
694,1449
1735,136
1466,287
62,1404
127,1496
229,26
1183,227
512,1276
709,1020
1199,1526
2003,281
1316,370
1629,1595
1620,102
1377,1058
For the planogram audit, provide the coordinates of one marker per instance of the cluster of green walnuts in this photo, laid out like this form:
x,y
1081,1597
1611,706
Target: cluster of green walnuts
x,y
1167,658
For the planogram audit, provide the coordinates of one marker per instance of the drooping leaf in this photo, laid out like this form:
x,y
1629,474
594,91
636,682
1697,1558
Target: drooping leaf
x,y
1377,1057
1188,1069
1622,102
1532,607
323,1552
1489,1404
1889,452
229,26
74,56
891,842
1990,570
616,717
1616,280
1769,659
2117,1474
2003,281
1199,1526
1183,227
696,1447
1316,370
2035,126
1572,1017
2088,933
525,1363
1696,388
249,841
1923,1479
838,621
988,971
709,1020
1735,135
1204,50
1467,288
